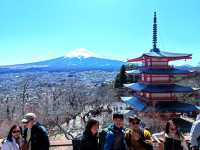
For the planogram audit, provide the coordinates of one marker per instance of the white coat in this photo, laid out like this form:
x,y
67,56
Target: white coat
x,y
8,145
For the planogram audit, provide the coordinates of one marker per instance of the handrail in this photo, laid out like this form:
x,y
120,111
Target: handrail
x,y
57,145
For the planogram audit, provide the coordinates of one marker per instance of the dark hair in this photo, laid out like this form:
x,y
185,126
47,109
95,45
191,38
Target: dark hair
x,y
118,116
9,137
90,124
168,126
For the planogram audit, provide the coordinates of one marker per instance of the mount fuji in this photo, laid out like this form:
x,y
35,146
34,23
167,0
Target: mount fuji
x,y
77,60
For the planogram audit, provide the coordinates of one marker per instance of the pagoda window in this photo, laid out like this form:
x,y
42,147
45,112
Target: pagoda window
x,y
141,93
147,95
143,78
148,78
149,63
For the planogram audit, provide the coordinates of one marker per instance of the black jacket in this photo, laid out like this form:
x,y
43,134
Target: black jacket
x,y
89,142
172,144
39,137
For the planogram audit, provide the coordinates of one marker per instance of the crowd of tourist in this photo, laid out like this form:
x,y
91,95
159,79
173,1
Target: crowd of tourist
x,y
34,136
135,137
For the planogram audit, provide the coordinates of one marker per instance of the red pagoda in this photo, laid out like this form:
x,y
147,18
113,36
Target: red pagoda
x,y
157,91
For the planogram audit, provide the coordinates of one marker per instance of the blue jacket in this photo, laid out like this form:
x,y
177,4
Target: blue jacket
x,y
115,139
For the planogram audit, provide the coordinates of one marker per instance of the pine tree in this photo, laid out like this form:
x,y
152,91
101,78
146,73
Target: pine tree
x,y
120,78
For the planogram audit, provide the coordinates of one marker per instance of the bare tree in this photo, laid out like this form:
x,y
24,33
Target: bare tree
x,y
58,105
71,100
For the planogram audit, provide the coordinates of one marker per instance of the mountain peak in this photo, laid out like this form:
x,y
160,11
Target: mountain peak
x,y
80,52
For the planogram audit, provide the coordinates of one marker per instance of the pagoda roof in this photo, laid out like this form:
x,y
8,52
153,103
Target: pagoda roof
x,y
135,102
159,71
175,106
141,87
164,71
162,107
162,54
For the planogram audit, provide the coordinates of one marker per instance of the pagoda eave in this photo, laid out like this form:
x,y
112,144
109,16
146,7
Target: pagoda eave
x,y
136,59
168,57
141,87
135,102
158,99
142,58
176,106
157,71
161,107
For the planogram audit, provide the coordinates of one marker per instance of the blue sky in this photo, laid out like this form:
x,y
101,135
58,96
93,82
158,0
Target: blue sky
x,y
33,30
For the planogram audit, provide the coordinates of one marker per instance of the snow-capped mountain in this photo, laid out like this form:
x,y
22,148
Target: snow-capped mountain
x,y
80,53
78,60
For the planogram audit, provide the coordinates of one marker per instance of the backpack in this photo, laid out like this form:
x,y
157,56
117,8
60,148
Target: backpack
x,y
128,136
25,146
76,142
144,135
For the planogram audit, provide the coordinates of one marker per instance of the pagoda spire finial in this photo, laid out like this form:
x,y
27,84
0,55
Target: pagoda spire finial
x,y
154,31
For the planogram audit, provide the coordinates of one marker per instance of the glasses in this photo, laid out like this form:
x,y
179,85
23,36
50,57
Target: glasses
x,y
17,131
135,122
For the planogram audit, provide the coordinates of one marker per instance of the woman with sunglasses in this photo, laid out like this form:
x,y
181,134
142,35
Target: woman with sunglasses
x,y
12,141
137,138
171,139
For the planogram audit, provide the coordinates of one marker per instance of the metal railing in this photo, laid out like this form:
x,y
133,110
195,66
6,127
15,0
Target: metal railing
x,y
61,147
56,145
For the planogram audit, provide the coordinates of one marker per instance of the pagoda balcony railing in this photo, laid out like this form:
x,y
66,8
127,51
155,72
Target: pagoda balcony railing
x,y
173,98
157,82
157,66
157,98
